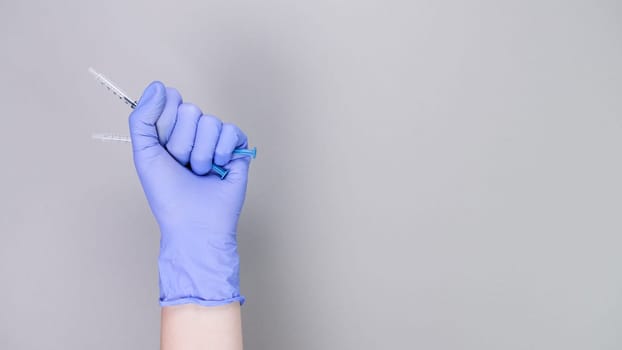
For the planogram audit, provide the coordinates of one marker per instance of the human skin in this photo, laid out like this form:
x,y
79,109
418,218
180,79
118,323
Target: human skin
x,y
196,327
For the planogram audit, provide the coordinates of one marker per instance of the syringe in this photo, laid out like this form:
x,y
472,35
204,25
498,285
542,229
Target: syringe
x,y
222,172
113,88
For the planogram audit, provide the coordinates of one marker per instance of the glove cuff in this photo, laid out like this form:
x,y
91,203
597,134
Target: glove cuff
x,y
202,270
189,300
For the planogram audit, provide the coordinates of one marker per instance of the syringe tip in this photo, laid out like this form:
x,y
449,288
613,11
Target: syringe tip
x,y
92,71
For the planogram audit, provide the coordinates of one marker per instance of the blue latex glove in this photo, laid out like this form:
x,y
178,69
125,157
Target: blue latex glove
x,y
174,145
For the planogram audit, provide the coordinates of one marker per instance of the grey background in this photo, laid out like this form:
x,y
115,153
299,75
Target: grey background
x,y
432,174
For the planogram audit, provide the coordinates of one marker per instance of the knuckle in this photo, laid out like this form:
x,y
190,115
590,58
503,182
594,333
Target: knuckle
x,y
172,93
188,109
229,128
211,122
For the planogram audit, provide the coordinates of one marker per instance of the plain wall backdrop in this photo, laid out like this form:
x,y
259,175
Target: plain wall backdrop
x,y
430,175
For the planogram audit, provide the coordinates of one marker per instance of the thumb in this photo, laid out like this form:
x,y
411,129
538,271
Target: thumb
x,y
143,119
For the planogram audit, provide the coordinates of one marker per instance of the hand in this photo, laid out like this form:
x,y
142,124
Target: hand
x,y
174,146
